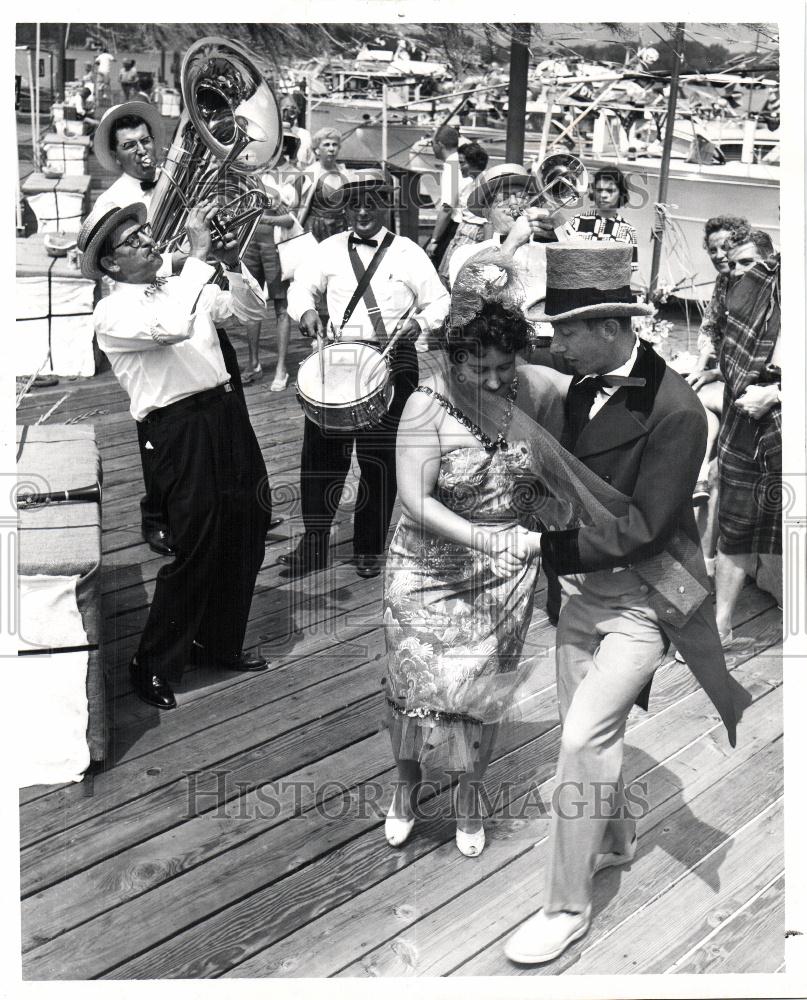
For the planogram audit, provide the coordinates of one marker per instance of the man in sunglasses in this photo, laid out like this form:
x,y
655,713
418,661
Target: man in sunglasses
x,y
160,338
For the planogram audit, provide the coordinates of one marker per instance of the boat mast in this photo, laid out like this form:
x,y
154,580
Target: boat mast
x,y
664,172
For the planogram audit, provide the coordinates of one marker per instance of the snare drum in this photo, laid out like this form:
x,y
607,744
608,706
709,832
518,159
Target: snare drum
x,y
356,392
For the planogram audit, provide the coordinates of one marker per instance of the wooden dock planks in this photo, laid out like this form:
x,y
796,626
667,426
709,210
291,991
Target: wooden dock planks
x,y
242,836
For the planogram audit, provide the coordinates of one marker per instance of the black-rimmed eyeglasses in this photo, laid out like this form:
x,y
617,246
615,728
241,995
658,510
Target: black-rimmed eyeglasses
x,y
134,239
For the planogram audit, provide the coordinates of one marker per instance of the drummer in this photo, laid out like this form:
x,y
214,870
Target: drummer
x,y
403,286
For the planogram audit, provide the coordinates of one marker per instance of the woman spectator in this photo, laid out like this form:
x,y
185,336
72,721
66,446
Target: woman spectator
x,y
323,212
604,222
706,379
277,224
471,228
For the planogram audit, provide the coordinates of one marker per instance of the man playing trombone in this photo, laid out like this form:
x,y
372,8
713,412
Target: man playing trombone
x,y
160,337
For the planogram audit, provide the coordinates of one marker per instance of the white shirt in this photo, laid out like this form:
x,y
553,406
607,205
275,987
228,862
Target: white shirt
x,y
450,181
104,62
405,276
606,392
162,342
305,154
124,191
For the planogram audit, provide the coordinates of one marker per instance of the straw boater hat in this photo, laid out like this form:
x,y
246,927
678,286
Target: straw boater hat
x,y
359,181
149,114
587,281
505,176
97,227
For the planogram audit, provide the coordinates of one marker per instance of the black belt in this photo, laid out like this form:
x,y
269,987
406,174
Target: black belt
x,y
198,401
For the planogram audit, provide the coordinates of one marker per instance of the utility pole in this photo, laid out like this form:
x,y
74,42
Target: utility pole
x,y
61,49
517,92
664,172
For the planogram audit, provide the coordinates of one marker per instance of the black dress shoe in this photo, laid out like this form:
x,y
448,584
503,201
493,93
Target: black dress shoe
x,y
368,566
237,661
275,523
150,688
244,661
159,541
305,559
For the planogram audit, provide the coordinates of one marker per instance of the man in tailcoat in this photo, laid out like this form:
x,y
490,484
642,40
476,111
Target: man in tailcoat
x,y
631,585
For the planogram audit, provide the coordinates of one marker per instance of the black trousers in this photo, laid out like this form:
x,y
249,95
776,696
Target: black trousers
x,y
208,466
153,512
326,457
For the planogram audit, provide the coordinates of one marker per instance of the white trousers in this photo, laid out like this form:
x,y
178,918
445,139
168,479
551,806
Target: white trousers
x,y
609,645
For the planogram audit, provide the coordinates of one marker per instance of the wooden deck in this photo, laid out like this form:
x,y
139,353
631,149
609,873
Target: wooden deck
x,y
242,835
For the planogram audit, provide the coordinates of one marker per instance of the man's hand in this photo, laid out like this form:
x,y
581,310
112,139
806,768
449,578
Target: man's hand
x,y
510,549
534,222
411,329
757,400
226,250
703,377
311,324
197,227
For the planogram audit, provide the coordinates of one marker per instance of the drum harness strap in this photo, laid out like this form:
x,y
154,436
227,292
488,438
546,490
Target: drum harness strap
x,y
363,289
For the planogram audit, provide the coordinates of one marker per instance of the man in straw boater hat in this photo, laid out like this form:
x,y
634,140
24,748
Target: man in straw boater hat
x,y
160,337
129,139
632,583
374,283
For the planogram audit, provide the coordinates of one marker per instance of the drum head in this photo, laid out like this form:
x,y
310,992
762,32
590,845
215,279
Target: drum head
x,y
352,372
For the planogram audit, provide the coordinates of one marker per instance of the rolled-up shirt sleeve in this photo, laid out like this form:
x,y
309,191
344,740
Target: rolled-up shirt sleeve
x,y
431,296
244,299
310,280
163,318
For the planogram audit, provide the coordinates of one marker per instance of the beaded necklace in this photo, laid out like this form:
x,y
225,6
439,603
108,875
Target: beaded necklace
x,y
475,429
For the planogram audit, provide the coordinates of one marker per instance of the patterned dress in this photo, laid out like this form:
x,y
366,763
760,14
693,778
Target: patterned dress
x,y
454,629
591,226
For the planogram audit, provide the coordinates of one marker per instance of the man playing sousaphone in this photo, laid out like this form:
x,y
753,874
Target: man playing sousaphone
x,y
371,280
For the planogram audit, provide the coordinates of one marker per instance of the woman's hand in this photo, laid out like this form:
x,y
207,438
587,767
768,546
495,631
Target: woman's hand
x,y
511,548
701,378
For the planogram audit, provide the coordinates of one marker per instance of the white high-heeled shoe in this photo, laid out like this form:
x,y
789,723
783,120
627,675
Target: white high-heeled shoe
x,y
469,844
397,830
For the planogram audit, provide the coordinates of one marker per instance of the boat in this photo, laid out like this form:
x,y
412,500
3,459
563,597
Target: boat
x,y
719,165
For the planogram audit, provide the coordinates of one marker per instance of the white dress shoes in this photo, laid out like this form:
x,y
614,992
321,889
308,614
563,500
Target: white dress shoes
x,y
397,830
546,936
469,844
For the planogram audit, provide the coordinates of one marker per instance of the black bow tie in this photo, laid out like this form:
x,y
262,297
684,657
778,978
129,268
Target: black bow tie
x,y
354,239
147,185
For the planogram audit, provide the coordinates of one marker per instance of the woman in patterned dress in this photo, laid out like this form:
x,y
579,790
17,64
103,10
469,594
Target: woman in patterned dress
x,y
462,566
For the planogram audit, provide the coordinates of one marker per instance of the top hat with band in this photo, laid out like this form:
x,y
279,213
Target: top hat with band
x,y
95,230
586,280
100,143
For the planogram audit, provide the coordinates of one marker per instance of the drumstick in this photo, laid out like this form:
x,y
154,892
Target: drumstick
x,y
320,345
398,331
